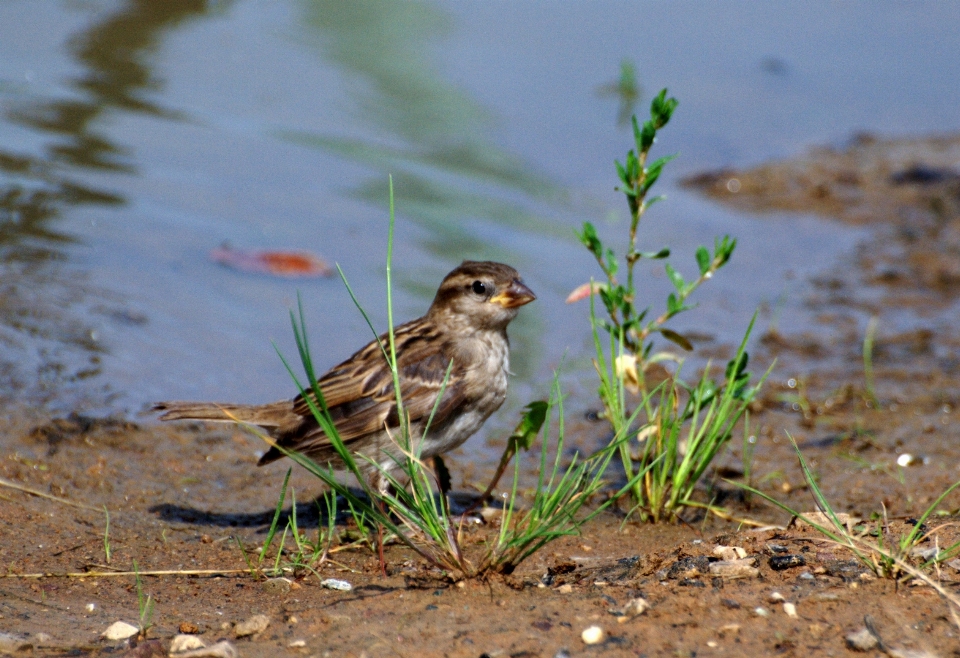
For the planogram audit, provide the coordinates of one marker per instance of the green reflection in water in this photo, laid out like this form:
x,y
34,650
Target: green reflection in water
x,y
428,134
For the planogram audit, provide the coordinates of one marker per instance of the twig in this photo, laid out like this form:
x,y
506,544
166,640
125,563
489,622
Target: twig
x,y
105,574
34,492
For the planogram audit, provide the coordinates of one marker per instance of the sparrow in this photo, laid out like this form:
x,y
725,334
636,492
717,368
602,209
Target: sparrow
x,y
464,331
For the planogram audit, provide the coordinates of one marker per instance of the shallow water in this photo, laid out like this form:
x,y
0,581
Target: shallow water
x,y
138,136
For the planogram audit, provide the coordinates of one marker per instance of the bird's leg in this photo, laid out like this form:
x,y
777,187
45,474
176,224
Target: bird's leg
x,y
381,485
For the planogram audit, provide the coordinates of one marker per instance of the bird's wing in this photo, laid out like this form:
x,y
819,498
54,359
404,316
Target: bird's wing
x,y
359,392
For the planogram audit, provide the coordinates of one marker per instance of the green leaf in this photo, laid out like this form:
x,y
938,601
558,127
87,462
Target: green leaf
x,y
529,426
679,339
647,136
622,172
659,162
723,249
612,263
673,304
656,255
652,200
637,134
588,236
676,278
661,109
703,260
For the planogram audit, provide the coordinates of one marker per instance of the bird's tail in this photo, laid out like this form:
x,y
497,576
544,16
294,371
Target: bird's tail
x,y
264,415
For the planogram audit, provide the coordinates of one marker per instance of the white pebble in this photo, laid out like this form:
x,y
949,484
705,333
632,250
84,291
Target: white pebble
x,y
222,649
296,644
761,612
733,569
91,607
906,459
256,624
633,608
120,630
776,597
333,583
592,635
181,643
862,640
790,609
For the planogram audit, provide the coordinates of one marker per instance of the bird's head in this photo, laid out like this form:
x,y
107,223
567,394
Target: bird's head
x,y
480,295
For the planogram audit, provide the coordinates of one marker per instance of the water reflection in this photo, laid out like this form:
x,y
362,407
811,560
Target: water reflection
x,y
429,134
46,340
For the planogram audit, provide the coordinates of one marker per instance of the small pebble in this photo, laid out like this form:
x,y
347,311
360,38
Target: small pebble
x,y
781,562
221,649
730,553
806,575
712,644
276,585
91,607
181,643
11,643
296,644
732,629
761,612
565,589
790,609
906,459
862,640
188,628
252,626
43,638
734,569
633,608
776,597
592,635
339,585
824,520
120,630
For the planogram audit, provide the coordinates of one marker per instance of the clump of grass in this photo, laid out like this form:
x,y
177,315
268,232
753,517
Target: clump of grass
x,y
144,604
885,555
306,555
674,430
410,509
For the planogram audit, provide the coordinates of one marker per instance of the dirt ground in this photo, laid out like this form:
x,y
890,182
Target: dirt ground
x,y
180,497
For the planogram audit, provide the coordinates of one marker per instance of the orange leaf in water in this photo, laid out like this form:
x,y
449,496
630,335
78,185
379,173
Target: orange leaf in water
x,y
278,263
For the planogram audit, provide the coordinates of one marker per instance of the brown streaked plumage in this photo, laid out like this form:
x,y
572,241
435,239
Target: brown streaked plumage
x,y
466,325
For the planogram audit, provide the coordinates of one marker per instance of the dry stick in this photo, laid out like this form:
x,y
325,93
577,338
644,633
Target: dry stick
x,y
13,485
105,574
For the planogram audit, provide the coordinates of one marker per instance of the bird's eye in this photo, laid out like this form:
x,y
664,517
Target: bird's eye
x,y
479,288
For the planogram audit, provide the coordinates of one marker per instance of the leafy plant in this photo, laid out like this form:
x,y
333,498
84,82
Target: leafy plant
x,y
654,428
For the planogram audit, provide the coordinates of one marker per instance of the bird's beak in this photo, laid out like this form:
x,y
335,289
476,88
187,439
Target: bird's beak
x,y
516,294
